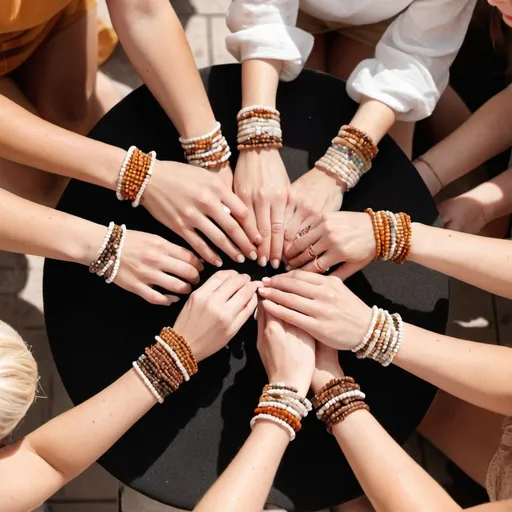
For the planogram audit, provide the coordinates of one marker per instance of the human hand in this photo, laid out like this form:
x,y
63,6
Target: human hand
x,y
262,183
463,213
225,173
313,193
335,237
287,353
186,198
149,260
320,305
327,366
216,311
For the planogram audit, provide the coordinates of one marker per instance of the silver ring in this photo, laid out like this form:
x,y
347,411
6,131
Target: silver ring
x,y
226,209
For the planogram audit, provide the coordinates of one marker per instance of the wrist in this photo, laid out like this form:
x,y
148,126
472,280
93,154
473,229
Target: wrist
x,y
335,181
83,246
300,384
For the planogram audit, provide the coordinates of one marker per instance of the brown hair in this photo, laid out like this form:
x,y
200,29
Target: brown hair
x,y
501,36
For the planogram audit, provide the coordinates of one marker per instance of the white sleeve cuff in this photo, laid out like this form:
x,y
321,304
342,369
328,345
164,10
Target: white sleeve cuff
x,y
276,41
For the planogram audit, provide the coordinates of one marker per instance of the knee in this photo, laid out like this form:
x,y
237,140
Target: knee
x,y
70,113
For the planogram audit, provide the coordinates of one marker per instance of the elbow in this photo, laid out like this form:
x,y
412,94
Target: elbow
x,y
136,9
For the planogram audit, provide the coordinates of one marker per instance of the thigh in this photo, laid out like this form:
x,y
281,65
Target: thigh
x,y
343,55
361,504
59,78
466,434
21,180
317,58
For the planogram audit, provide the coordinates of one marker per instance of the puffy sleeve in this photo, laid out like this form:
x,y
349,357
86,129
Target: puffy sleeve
x,y
266,29
411,66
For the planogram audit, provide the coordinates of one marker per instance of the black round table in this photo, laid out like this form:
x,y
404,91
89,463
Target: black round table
x,y
175,453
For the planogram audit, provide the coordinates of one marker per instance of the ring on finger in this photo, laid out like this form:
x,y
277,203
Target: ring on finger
x,y
302,232
312,253
226,209
320,268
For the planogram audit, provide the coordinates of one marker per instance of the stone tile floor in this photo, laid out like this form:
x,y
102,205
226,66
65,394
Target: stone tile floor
x,y
21,280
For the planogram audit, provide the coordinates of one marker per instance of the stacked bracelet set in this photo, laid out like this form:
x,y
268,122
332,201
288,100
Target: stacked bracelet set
x,y
282,405
337,399
108,260
383,338
134,175
349,156
393,235
166,364
208,151
259,127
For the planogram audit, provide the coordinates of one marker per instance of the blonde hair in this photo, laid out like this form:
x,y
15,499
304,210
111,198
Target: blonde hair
x,y
18,379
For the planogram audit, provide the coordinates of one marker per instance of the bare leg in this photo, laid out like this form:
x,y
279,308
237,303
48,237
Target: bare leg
x,y
466,434
343,55
317,57
361,504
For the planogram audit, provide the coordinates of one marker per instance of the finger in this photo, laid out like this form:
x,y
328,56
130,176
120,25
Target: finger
x,y
212,232
243,295
292,285
181,269
212,284
349,269
236,234
202,248
322,264
154,297
319,247
180,253
307,277
299,245
292,227
262,211
289,300
170,283
246,312
295,318
277,229
229,287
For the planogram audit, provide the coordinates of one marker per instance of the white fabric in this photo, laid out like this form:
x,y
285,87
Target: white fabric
x,y
412,60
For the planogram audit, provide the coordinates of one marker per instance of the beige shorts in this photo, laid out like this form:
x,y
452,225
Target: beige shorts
x,y
498,480
366,34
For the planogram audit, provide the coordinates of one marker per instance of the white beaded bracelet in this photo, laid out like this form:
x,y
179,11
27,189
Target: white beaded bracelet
x,y
127,158
191,140
373,322
277,421
150,386
117,263
175,358
355,393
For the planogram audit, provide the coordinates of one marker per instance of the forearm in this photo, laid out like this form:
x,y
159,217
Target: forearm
x,y
29,140
29,228
260,79
156,44
477,373
374,118
486,134
480,261
246,482
391,480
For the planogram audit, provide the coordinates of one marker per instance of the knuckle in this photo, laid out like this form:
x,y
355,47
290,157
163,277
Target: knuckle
x,y
277,227
261,194
189,212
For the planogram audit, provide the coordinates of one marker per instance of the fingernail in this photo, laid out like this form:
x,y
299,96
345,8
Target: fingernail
x,y
253,255
263,291
265,279
263,261
172,299
218,263
275,264
258,240
255,316
240,258
287,268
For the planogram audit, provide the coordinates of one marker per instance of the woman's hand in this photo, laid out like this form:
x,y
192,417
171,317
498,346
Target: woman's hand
x,y
327,366
149,260
463,213
320,305
313,193
288,353
187,199
336,237
262,183
216,311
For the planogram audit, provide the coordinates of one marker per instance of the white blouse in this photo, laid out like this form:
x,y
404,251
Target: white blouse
x,y
412,60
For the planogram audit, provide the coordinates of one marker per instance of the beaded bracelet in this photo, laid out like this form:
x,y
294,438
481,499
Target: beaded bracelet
x,y
349,156
136,169
259,127
284,406
336,409
393,235
209,151
383,338
108,259
164,367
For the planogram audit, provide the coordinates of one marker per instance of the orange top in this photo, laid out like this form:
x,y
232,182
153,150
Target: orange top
x,y
25,24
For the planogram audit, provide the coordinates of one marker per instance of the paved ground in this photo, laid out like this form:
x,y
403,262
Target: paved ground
x,y
21,301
